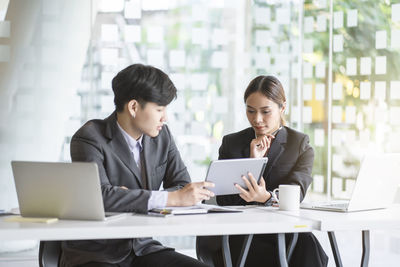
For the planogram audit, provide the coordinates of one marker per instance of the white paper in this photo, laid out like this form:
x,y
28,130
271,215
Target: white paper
x,y
337,137
262,60
337,43
133,33
320,3
307,70
337,19
107,103
320,69
365,66
133,9
199,81
219,37
219,60
198,104
307,114
177,106
179,80
155,34
380,90
155,57
283,16
380,39
319,91
25,103
177,58
106,78
337,89
395,90
109,33
349,187
4,53
318,183
336,114
352,17
319,137
321,23
395,39
5,29
350,114
396,12
199,13
365,90
380,65
200,37
109,56
308,46
308,24
351,66
262,15
394,116
337,186
307,92
350,136
263,38
220,105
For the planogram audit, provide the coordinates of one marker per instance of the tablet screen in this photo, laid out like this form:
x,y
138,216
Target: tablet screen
x,y
226,173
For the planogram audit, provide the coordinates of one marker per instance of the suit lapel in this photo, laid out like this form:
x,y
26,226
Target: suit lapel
x,y
276,150
120,147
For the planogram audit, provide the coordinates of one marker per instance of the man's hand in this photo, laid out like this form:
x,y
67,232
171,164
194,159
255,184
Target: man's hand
x,y
191,194
260,145
256,192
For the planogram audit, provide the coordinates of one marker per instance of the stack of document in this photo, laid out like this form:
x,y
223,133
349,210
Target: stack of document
x,y
197,209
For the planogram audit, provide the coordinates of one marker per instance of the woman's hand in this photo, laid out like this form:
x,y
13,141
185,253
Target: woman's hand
x,y
256,192
260,145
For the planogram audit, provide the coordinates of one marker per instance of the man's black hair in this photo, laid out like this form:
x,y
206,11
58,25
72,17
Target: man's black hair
x,y
144,84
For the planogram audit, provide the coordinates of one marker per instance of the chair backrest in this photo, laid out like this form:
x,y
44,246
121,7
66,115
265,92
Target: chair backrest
x,y
49,253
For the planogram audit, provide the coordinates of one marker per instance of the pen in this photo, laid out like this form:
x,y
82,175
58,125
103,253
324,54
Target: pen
x,y
273,133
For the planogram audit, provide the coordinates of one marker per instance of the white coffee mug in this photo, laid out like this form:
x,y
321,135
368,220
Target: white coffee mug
x,y
289,196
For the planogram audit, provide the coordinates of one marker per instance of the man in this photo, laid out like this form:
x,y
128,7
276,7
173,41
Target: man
x,y
135,153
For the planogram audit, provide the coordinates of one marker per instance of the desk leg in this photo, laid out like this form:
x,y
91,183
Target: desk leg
x,y
282,250
335,250
366,247
245,250
226,251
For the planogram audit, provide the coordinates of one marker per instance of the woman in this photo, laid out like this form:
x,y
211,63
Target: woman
x,y
290,161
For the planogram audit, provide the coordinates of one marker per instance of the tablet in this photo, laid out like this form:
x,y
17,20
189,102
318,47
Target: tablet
x,y
226,173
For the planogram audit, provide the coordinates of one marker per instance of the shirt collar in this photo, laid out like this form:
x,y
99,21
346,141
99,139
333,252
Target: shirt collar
x,y
132,142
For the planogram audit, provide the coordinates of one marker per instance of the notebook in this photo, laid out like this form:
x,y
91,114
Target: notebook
x,y
196,209
60,190
375,188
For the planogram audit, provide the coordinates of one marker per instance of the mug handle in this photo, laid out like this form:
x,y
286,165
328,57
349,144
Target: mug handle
x,y
274,194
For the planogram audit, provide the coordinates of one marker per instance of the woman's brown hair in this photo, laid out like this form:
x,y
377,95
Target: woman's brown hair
x,y
269,86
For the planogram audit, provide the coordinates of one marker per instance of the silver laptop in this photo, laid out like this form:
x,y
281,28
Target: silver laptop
x,y
61,190
375,188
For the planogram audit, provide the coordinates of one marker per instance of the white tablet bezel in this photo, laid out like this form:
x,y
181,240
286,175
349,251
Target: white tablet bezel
x,y
228,172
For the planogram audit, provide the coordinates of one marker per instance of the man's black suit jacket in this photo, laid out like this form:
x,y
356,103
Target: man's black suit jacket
x,y
102,142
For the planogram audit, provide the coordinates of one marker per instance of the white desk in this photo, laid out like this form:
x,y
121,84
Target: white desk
x,y
357,221
251,221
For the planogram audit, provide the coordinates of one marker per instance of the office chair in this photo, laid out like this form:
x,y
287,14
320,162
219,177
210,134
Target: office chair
x,y
49,253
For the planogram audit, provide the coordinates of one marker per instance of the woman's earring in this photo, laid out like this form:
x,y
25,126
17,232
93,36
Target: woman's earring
x,y
133,115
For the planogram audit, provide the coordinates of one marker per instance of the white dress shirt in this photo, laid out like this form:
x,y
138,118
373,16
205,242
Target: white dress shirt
x,y
158,199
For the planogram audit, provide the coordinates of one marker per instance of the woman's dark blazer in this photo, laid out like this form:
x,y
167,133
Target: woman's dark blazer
x,y
290,160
